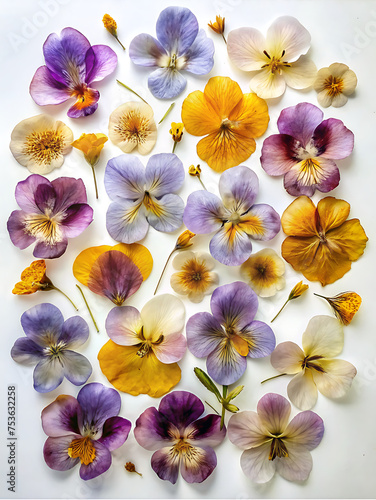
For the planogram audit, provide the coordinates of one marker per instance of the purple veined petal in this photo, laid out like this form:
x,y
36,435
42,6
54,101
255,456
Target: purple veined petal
x,y
197,468
56,455
166,83
164,174
205,431
85,107
230,246
274,412
69,191
300,121
126,221
99,465
16,229
297,466
203,213
61,416
225,365
302,390
145,50
177,28
123,325
181,408
306,429
48,374
98,403
256,464
299,181
279,154
172,349
333,140
115,432
204,333
238,187
165,463
77,368
115,276
77,219
43,324
45,89
262,222
246,430
261,339
199,57
124,177
154,430
45,197
25,350
25,192
100,61
44,250
166,213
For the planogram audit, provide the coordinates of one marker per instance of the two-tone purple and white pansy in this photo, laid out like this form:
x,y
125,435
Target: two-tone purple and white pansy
x,y
179,438
180,45
72,65
229,335
86,430
235,218
49,343
51,212
143,196
305,149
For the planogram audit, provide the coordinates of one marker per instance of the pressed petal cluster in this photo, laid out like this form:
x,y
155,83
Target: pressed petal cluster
x,y
334,84
33,278
264,272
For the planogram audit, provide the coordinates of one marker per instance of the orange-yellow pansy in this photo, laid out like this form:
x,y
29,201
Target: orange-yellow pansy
x,y
321,243
91,145
33,278
229,119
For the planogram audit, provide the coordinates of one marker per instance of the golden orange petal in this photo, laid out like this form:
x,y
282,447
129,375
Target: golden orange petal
x,y
139,255
348,240
223,95
299,218
332,212
35,272
85,260
198,116
300,253
24,288
252,116
241,345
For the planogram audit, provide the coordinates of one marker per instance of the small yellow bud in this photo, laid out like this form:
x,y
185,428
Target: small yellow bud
x,y
218,26
194,171
110,24
176,131
184,240
130,467
298,290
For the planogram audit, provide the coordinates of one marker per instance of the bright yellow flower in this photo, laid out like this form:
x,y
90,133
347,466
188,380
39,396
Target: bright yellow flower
x,y
218,26
110,24
184,240
334,84
297,291
91,145
176,131
345,305
194,171
33,278
264,271
229,119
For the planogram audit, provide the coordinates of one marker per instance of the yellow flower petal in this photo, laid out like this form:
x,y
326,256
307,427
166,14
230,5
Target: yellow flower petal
x,y
299,218
264,271
223,95
332,212
31,278
198,116
345,305
241,345
138,254
251,114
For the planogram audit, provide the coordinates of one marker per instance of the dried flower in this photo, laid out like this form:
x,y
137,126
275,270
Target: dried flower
x,y
176,131
345,305
294,294
218,26
334,84
264,272
196,172
111,26
130,467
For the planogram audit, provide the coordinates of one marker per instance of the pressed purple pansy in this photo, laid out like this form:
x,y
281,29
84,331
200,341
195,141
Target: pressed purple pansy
x,y
305,148
49,344
229,335
179,438
180,45
235,218
72,65
86,430
51,212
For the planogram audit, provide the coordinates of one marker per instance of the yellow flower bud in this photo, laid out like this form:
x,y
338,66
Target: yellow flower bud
x,y
298,290
218,26
176,131
110,24
184,240
194,171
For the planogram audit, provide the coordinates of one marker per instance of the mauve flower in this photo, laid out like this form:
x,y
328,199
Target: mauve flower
x,y
179,46
179,438
305,148
51,212
86,430
72,64
49,342
272,443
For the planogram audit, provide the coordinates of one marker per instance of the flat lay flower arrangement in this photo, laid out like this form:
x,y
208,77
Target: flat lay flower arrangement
x,y
226,225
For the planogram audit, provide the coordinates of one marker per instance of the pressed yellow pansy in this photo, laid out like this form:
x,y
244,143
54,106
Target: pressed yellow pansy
x,y
264,272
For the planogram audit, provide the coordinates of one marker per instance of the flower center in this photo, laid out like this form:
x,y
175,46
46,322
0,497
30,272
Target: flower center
x,y
309,362
84,95
333,85
82,448
151,205
310,172
133,127
278,449
54,349
276,64
43,147
194,276
42,227
146,346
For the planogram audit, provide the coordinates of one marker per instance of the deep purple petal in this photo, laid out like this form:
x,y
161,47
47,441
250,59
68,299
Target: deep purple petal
x,y
45,89
204,333
77,368
100,464
43,250
181,408
43,324
165,463
196,470
126,221
269,220
203,213
45,197
306,428
300,121
164,174
169,215
153,430
166,83
206,431
225,365
75,332
69,191
100,62
26,351
177,28
145,50
77,218
56,454
298,185
115,432
48,374
238,187
25,192
124,177
333,140
261,339
279,154
85,107
61,416
230,246
199,57
16,229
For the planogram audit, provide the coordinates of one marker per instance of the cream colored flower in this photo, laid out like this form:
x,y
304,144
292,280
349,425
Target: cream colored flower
x,y
334,84
195,277
40,143
264,271
132,126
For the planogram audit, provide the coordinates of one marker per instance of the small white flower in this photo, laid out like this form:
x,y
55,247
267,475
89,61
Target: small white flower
x,y
334,84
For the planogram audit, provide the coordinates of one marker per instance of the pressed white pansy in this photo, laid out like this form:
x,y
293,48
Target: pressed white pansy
x,y
334,84
40,143
132,126
277,58
264,271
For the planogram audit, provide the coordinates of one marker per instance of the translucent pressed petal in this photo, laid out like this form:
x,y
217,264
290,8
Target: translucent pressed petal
x,y
349,81
286,34
115,432
145,50
225,365
339,100
126,221
56,455
198,465
44,89
203,213
176,28
264,272
139,255
99,465
323,336
308,175
124,178
238,188
43,324
268,85
256,464
306,429
166,213
246,430
100,62
199,57
48,374
324,99
302,390
347,241
164,174
261,222
85,260
60,417
204,333
77,368
171,349
287,357
299,218
162,315
26,190
206,431
274,413
301,74
260,339
245,49
300,121
230,245
124,325
297,466
181,408
250,116
154,430
75,332
165,463
333,140
222,94
166,83
26,351
198,116
337,378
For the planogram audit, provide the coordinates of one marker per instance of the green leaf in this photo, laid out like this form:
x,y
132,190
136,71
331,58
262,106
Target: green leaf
x,y
235,392
207,382
230,407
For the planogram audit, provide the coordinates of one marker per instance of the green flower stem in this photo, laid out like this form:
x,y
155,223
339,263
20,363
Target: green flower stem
x,y
212,407
279,312
174,146
275,376
122,46
95,180
88,308
53,287
225,387
167,112
223,36
202,184
164,269
128,88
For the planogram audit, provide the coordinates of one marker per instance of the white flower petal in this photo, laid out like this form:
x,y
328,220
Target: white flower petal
x,y
339,100
350,82
301,74
302,390
336,380
256,464
268,85
297,466
245,430
245,48
287,357
324,99
162,315
286,34
323,337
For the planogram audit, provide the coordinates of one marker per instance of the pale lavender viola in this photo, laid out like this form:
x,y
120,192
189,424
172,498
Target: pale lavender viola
x,y
229,335
143,196
84,430
235,217
72,65
305,149
179,438
49,343
51,212
180,45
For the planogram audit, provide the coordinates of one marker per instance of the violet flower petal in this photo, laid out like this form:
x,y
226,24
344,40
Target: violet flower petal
x,y
126,221
166,83
327,180
25,350
145,50
166,215
164,174
306,428
206,431
238,187
122,325
44,250
270,222
261,339
181,408
99,465
25,192
333,140
165,463
153,430
45,197
231,248
115,432
77,219
203,213
274,412
225,365
100,62
176,29
48,374
125,178
77,368
204,333
45,90
61,417
198,468
16,230
56,455
69,191
199,57
300,121
43,324
279,154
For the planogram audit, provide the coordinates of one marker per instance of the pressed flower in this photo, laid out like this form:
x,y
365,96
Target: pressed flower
x,y
230,120
180,45
130,467
72,65
143,196
305,149
218,26
49,344
334,84
111,26
40,143
277,58
235,217
229,335
176,131
181,441
132,126
195,277
296,292
314,368
115,272
84,430
345,305
51,212
195,171
264,272
272,443
144,347
321,243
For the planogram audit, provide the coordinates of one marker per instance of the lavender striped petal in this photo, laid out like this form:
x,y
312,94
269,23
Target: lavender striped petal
x,y
230,246
166,83
169,215
204,333
165,463
203,213
300,121
45,89
43,324
124,177
199,57
16,230
145,50
100,464
261,339
48,374
153,430
56,455
177,28
238,187
164,174
196,470
26,351
77,368
225,365
206,431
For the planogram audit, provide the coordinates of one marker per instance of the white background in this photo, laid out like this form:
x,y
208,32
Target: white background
x,y
342,31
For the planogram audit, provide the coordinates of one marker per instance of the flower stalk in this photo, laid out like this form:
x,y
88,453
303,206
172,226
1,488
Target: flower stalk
x,y
167,113
88,308
196,172
131,90
296,292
